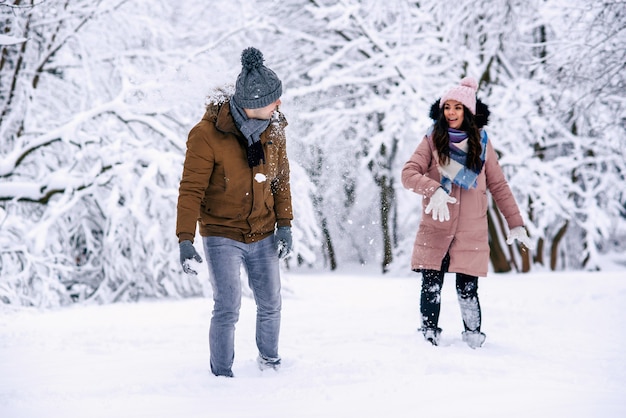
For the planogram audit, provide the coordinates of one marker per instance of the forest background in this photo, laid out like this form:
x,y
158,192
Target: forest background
x,y
97,98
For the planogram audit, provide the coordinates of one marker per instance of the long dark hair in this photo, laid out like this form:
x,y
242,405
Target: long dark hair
x,y
441,138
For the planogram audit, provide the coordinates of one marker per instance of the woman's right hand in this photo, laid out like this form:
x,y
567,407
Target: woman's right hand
x,y
438,205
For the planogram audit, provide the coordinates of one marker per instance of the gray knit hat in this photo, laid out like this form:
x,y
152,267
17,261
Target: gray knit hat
x,y
257,86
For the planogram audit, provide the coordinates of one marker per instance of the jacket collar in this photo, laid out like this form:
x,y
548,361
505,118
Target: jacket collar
x,y
224,120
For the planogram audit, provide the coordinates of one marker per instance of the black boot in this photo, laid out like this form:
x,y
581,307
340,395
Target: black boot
x,y
431,335
430,304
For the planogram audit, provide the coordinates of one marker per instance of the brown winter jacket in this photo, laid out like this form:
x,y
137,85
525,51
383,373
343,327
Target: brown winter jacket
x,y
220,191
465,235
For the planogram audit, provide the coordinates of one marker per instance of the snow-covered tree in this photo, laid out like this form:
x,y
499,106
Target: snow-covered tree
x,y
560,90
95,109
86,167
364,72
353,89
97,97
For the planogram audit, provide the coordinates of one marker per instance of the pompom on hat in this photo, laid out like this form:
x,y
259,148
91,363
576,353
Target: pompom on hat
x,y
257,86
464,93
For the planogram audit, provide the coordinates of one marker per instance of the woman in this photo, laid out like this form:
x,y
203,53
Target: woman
x,y
453,167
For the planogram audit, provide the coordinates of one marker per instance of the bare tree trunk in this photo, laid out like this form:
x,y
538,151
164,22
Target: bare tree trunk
x,y
539,251
328,250
526,261
328,245
497,255
380,167
502,263
387,198
554,249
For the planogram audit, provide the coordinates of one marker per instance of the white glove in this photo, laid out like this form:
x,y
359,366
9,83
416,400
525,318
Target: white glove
x,y
519,233
438,205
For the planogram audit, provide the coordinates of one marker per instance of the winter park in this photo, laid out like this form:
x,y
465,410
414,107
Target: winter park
x,y
324,208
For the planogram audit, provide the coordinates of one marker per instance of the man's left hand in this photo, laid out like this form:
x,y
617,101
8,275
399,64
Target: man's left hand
x,y
283,241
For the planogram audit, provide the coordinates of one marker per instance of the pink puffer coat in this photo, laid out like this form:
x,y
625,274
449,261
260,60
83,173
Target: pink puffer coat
x,y
465,235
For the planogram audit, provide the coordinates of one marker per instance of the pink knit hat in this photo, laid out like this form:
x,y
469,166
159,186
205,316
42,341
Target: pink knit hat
x,y
464,93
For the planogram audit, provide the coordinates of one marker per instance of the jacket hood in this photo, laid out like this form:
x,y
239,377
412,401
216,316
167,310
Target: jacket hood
x,y
482,113
220,94
219,114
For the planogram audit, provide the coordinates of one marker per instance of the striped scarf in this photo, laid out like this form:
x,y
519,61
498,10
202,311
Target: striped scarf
x,y
456,171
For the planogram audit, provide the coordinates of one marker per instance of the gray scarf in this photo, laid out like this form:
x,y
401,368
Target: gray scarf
x,y
252,130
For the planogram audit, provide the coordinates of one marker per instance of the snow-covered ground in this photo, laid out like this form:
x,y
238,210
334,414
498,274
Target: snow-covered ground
x,y
556,347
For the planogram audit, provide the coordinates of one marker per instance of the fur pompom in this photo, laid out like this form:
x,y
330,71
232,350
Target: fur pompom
x,y
435,110
482,114
251,58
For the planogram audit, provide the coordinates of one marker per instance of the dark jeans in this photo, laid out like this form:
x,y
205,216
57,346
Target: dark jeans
x,y
467,294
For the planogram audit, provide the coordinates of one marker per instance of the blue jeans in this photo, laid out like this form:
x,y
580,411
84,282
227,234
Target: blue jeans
x,y
224,258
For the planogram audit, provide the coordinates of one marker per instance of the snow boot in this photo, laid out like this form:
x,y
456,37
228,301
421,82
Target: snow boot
x,y
431,335
268,362
474,339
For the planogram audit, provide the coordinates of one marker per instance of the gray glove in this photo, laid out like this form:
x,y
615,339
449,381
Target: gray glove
x,y
187,253
283,241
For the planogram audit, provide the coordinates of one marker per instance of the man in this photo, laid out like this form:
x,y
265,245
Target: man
x,y
235,184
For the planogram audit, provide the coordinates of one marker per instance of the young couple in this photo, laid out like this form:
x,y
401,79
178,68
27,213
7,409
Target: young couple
x,y
235,186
